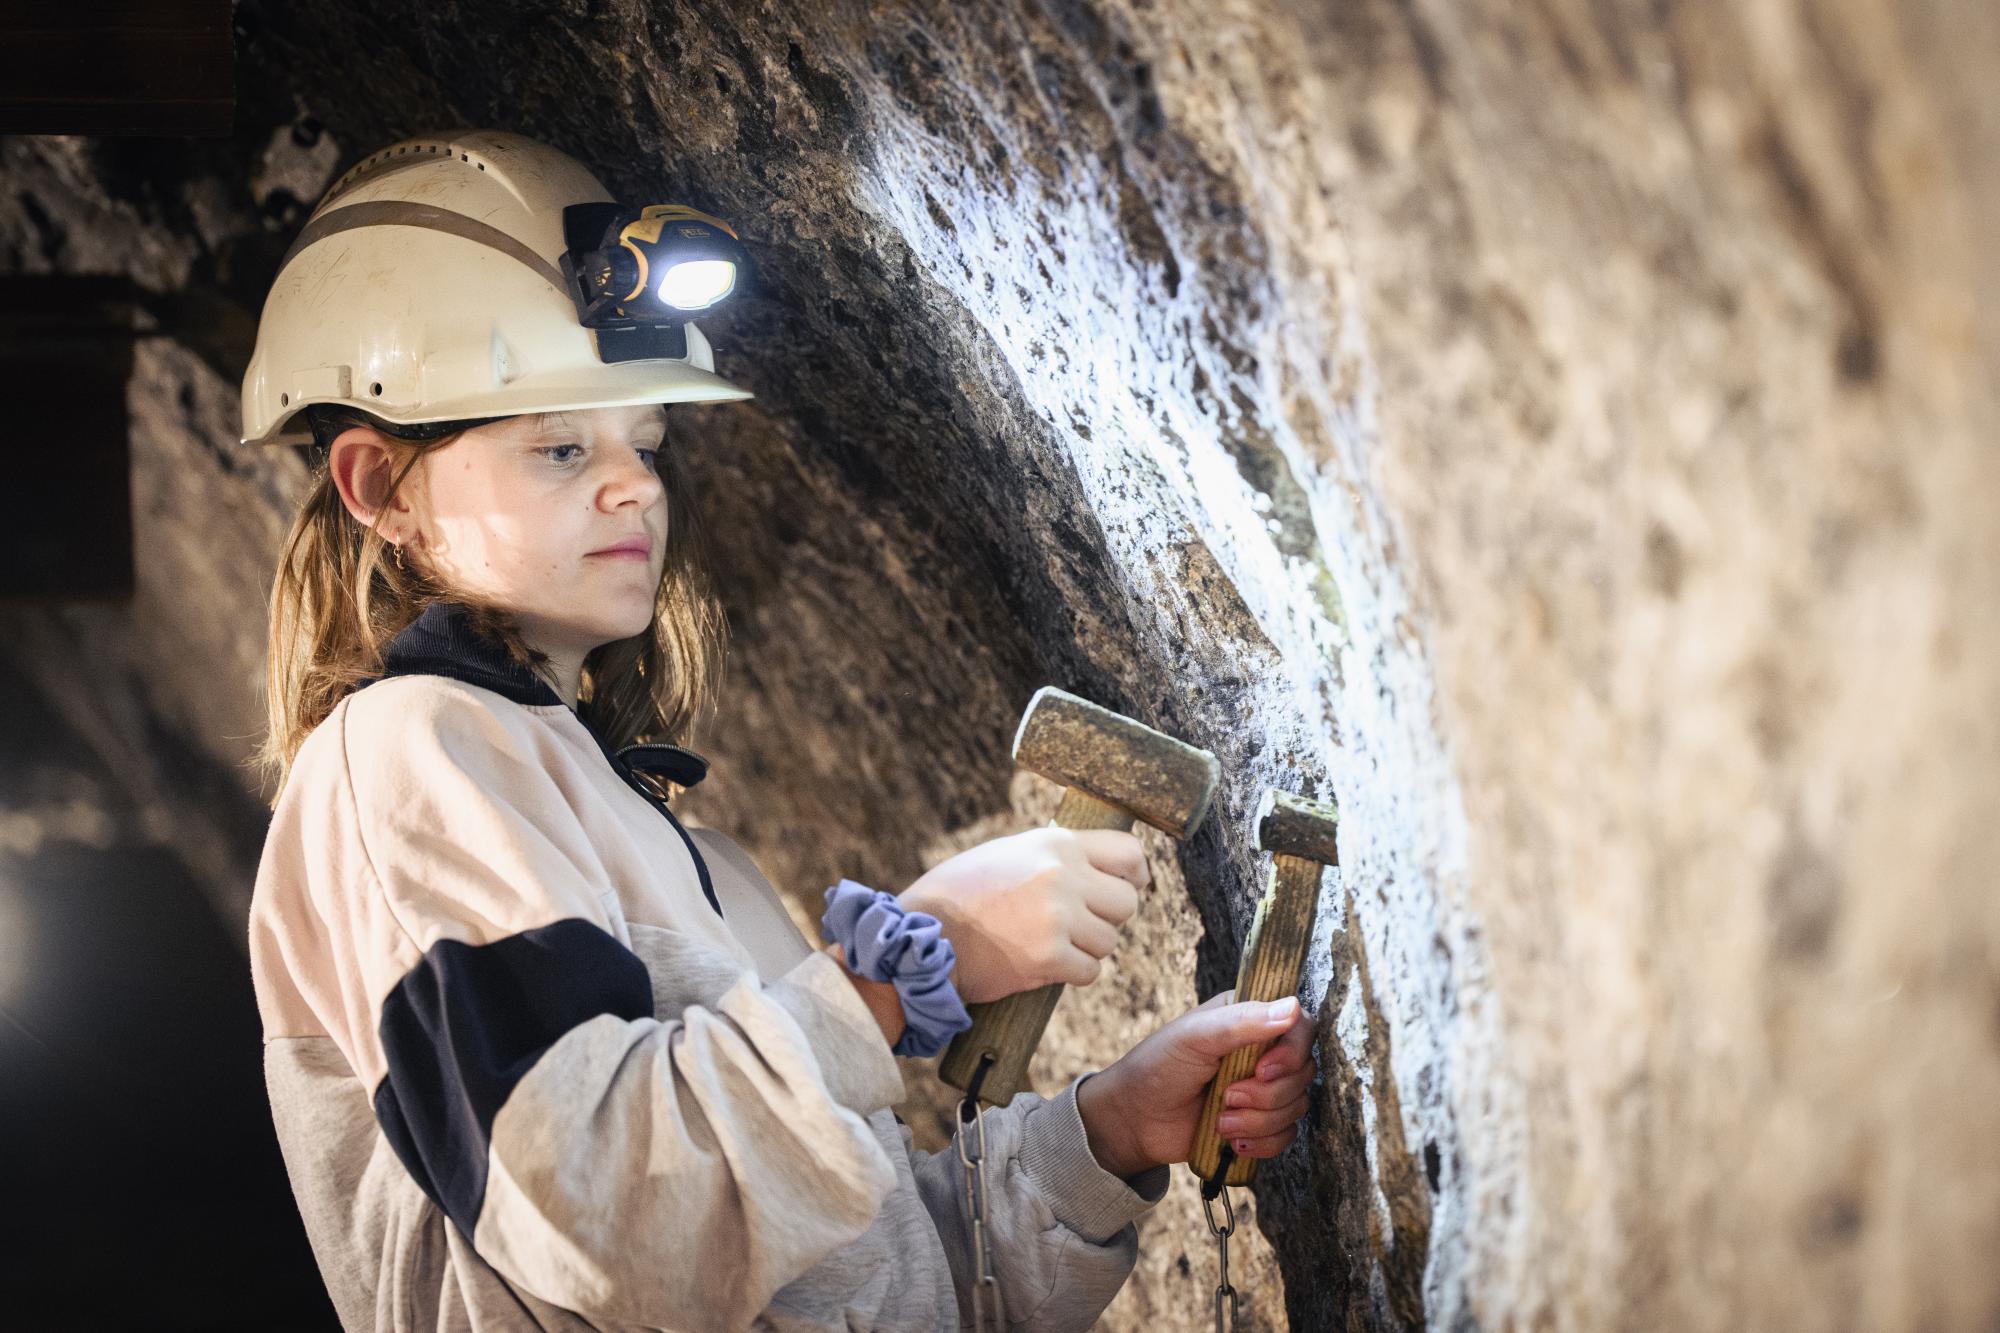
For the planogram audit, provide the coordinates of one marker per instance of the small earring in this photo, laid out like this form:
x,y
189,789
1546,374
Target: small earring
x,y
397,547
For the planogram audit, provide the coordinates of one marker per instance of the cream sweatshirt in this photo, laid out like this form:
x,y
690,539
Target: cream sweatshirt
x,y
541,1057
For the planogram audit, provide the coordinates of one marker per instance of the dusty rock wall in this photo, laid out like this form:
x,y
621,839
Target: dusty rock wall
x,y
1563,433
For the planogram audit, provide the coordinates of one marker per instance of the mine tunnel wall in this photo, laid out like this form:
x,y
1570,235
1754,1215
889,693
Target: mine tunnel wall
x,y
1561,434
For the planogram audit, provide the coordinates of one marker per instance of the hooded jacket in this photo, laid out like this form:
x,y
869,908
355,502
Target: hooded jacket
x,y
541,1057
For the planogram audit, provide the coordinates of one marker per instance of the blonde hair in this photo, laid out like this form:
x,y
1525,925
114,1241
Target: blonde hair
x,y
336,601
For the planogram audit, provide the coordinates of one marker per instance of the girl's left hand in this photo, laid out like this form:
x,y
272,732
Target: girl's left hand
x,y
1142,1110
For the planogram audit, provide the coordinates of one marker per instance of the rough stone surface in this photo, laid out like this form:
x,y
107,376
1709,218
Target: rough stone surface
x,y
1565,434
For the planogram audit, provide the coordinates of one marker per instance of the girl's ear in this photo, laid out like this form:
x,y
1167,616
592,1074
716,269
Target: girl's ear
x,y
362,462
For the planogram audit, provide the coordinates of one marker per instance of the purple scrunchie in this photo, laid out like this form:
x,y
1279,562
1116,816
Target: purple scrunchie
x,y
885,942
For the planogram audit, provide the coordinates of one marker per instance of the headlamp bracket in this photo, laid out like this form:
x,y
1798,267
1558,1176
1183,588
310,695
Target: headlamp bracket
x,y
605,269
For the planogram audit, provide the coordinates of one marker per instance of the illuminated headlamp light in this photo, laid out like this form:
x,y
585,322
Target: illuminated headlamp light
x,y
637,275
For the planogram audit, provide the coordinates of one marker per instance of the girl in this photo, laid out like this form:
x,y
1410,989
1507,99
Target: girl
x,y
539,1056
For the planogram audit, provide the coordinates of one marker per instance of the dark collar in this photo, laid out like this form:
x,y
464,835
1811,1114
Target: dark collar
x,y
444,642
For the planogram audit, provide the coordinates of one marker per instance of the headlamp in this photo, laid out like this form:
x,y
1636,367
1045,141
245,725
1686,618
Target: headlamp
x,y
637,275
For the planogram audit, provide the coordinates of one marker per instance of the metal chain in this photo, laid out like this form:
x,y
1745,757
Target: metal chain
x,y
1225,1294
985,1283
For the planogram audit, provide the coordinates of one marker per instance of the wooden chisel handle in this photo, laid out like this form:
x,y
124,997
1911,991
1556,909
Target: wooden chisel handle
x,y
1011,1027
1272,956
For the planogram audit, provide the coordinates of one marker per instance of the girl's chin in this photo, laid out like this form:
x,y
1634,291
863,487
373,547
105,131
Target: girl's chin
x,y
633,619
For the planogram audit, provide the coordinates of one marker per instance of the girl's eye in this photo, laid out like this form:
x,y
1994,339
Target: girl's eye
x,y
652,456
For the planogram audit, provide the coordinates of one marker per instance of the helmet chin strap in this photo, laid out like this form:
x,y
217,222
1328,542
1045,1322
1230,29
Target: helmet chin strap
x,y
343,416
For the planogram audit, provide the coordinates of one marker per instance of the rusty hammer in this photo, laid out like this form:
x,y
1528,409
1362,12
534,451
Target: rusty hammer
x,y
1116,771
1299,834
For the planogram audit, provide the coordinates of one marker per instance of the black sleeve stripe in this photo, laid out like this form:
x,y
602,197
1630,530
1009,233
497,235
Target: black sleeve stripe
x,y
468,1023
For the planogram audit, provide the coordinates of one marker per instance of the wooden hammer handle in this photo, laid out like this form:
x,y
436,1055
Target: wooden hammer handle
x,y
1011,1027
1272,956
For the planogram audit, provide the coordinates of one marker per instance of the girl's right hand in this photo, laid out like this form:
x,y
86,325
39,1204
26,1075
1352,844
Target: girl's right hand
x,y
1032,908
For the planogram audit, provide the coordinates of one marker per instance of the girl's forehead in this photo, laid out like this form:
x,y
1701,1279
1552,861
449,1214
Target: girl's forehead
x,y
598,418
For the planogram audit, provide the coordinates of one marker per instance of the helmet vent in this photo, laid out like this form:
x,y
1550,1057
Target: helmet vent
x,y
388,157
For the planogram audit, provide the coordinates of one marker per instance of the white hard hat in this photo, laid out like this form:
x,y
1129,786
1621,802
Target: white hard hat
x,y
430,285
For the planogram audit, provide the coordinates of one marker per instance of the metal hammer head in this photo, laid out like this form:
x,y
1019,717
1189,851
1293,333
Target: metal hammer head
x,y
1165,782
1297,826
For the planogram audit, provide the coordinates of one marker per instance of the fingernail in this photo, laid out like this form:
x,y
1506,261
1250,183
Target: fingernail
x,y
1284,1008
1267,1072
1228,1124
1234,1099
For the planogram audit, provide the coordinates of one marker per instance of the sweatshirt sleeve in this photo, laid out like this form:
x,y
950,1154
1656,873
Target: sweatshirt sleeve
x,y
1063,1237
595,1156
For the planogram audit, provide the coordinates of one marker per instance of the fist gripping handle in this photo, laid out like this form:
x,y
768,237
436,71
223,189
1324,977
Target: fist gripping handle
x,y
1300,834
1117,772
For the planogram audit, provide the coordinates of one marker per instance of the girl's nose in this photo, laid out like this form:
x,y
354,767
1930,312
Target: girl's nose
x,y
633,479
